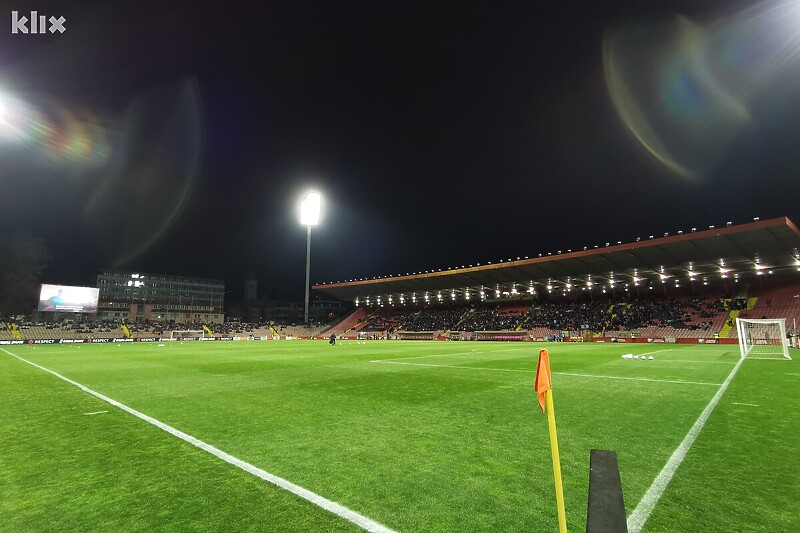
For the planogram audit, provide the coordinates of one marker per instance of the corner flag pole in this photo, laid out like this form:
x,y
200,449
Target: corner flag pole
x,y
551,423
544,389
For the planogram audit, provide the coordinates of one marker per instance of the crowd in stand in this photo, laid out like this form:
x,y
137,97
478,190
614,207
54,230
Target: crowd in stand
x,y
491,319
435,319
604,315
596,315
389,321
146,328
668,312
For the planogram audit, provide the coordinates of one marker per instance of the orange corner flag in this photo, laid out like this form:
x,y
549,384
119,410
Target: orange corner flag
x,y
543,381
544,389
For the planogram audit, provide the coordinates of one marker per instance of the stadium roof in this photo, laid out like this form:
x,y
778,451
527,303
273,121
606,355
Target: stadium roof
x,y
746,250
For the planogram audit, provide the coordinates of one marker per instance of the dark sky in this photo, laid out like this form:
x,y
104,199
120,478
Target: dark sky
x,y
439,133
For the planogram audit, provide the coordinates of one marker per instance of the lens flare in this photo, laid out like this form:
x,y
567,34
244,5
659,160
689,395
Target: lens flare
x,y
152,179
43,132
123,179
686,91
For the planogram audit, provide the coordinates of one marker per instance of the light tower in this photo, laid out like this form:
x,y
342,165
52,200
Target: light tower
x,y
309,216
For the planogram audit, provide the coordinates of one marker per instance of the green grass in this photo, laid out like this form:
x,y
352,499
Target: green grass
x,y
453,441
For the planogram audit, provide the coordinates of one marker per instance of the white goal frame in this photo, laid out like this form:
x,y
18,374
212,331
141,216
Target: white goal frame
x,y
190,333
756,342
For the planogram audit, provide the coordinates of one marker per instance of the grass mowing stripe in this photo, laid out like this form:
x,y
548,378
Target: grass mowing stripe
x,y
532,372
639,516
361,521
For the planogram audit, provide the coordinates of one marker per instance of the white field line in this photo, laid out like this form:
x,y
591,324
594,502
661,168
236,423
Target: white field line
x,y
389,362
747,404
695,361
656,351
637,379
532,372
96,413
361,521
474,352
707,349
639,516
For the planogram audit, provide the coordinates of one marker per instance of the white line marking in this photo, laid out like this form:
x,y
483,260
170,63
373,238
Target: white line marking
x,y
361,521
598,376
96,413
637,379
658,351
473,352
747,404
695,361
388,362
707,348
639,516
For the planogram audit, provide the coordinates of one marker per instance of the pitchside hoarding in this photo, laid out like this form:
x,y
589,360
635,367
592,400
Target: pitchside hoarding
x,y
66,299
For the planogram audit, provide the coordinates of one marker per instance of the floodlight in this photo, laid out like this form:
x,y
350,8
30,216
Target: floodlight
x,y
310,208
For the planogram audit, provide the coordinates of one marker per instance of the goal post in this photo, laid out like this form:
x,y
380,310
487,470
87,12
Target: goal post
x,y
182,334
763,338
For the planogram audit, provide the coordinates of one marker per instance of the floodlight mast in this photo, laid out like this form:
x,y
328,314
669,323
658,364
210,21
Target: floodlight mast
x,y
309,216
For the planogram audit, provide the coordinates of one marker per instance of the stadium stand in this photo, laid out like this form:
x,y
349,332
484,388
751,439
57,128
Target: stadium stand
x,y
782,301
435,319
495,318
389,320
300,331
5,332
351,321
681,315
675,286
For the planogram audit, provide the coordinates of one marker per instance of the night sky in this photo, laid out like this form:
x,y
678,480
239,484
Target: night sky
x,y
179,137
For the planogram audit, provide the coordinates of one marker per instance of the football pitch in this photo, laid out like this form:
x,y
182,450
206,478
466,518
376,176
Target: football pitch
x,y
411,436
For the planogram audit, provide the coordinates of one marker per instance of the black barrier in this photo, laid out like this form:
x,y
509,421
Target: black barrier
x,y
606,512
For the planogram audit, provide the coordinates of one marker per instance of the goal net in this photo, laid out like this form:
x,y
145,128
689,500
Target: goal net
x,y
190,334
763,339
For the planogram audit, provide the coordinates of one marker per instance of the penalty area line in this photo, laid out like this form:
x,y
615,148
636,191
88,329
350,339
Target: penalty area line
x,y
639,516
361,521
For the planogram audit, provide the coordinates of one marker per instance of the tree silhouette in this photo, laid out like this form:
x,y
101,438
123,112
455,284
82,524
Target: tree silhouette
x,y
22,260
